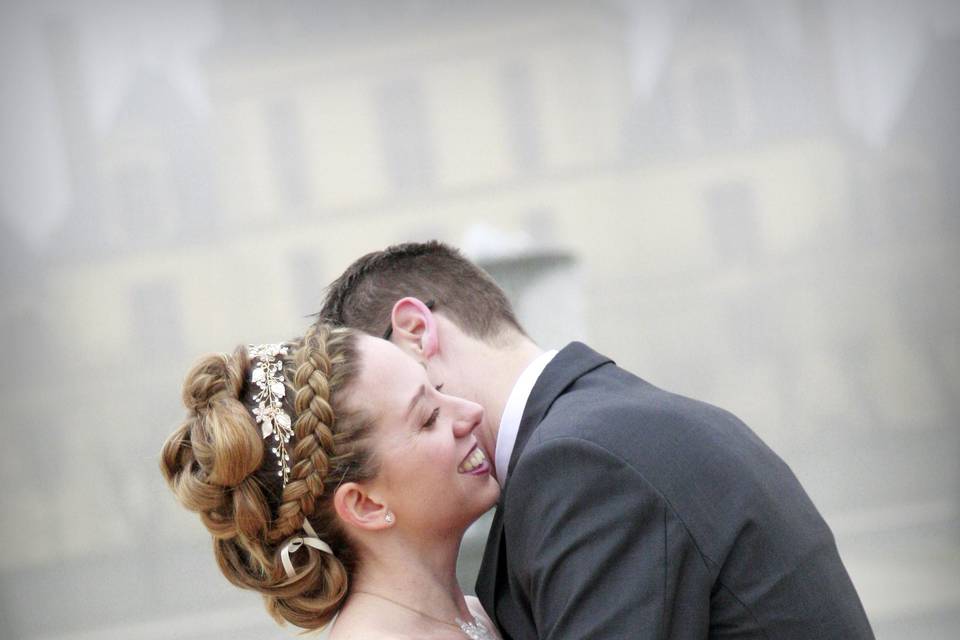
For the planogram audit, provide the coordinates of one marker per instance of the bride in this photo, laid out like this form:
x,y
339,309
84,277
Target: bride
x,y
336,481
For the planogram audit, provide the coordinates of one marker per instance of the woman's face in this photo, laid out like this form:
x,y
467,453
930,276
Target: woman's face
x,y
432,475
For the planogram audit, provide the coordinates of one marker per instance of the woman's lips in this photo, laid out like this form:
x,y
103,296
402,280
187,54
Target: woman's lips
x,y
475,463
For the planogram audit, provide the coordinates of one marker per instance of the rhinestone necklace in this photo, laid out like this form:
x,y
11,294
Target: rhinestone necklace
x,y
475,629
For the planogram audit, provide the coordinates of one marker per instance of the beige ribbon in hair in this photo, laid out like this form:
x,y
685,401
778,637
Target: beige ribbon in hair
x,y
311,540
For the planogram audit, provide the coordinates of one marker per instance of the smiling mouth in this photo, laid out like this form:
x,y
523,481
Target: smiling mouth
x,y
475,462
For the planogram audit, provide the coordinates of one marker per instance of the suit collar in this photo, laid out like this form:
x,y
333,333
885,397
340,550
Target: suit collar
x,y
513,412
570,363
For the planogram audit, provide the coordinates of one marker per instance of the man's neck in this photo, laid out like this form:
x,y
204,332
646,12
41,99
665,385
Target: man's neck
x,y
495,373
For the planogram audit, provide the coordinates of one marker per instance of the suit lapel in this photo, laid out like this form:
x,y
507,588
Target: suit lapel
x,y
489,566
570,363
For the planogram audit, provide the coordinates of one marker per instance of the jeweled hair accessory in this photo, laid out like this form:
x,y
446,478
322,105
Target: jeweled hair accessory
x,y
269,413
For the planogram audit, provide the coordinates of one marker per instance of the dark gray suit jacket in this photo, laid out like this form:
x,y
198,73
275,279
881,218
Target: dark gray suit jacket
x,y
631,512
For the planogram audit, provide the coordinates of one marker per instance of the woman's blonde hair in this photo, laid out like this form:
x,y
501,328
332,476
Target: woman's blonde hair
x,y
217,464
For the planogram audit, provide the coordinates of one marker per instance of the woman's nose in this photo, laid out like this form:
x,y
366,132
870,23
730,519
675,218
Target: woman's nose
x,y
469,417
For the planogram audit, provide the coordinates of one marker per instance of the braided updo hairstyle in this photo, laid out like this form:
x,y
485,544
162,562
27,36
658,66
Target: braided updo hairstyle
x,y
217,464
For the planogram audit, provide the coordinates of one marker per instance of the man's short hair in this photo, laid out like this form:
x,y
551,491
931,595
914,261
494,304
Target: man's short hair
x,y
364,295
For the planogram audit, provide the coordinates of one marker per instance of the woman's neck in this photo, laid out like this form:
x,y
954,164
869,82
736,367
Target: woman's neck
x,y
420,576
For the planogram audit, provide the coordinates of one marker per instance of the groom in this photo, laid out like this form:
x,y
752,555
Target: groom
x,y
626,511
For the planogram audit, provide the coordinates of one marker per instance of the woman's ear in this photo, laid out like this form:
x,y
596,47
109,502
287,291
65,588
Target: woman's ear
x,y
358,508
414,328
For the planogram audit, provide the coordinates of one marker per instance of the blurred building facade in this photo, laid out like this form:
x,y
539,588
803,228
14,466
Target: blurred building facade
x,y
710,219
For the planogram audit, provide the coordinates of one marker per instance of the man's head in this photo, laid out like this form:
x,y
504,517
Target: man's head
x,y
445,312
363,297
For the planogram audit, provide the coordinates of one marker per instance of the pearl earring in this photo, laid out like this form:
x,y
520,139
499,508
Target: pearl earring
x,y
388,518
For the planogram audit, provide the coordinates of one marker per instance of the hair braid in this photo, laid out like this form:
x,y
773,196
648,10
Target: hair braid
x,y
312,429
326,362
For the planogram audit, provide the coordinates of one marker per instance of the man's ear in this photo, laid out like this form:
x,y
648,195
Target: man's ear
x,y
414,328
357,507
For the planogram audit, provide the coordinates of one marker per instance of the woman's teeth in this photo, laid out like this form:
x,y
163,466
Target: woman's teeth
x,y
473,461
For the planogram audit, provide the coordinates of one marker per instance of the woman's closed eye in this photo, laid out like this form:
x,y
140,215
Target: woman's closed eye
x,y
432,419
435,414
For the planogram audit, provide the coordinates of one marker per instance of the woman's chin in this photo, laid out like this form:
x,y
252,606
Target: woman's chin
x,y
490,497
481,502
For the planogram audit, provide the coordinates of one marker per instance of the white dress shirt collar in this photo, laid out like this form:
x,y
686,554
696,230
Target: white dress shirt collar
x,y
513,412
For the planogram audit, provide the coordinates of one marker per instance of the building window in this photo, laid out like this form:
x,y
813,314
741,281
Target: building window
x,y
732,222
404,131
909,205
26,340
287,153
141,213
716,115
157,320
546,290
523,131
